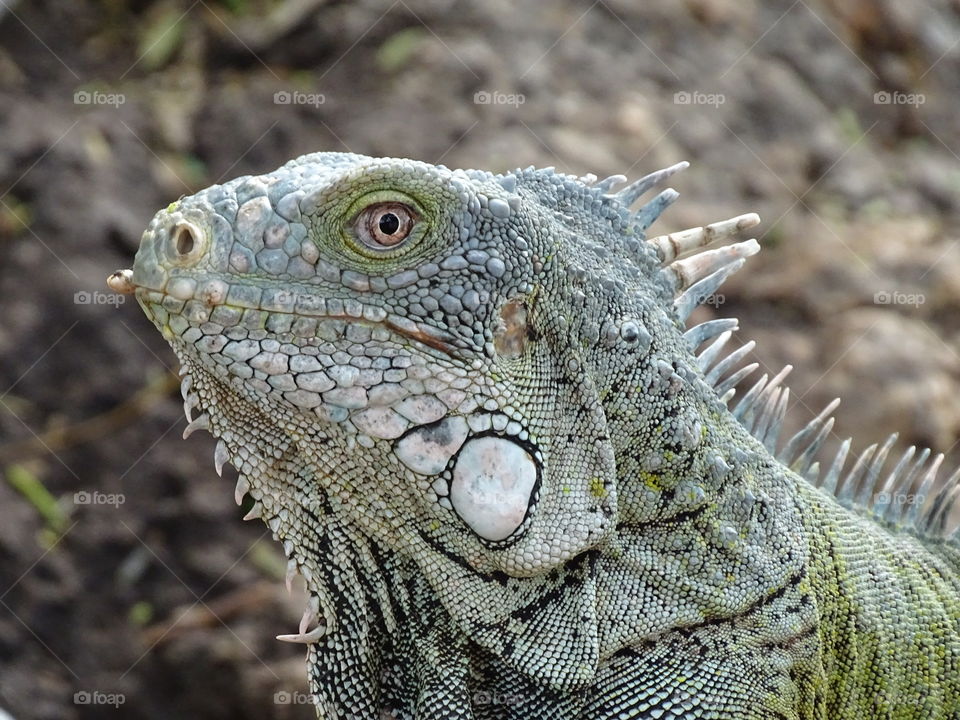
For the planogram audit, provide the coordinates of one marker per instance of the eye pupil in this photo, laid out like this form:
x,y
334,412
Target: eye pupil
x,y
385,225
389,223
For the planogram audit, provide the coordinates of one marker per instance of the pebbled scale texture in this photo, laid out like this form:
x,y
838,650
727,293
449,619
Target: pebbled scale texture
x,y
509,475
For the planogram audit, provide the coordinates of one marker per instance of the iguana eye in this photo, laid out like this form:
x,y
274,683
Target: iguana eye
x,y
383,226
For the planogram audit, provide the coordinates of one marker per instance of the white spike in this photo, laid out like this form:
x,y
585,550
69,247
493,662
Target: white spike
x,y
307,574
881,501
243,486
200,423
776,421
933,520
701,291
868,487
220,456
946,509
761,416
797,441
648,213
255,512
767,400
913,514
848,490
183,369
713,377
699,334
185,384
805,459
291,574
122,282
308,619
833,474
669,247
734,379
685,273
940,522
191,401
305,638
894,511
609,182
708,357
634,190
747,400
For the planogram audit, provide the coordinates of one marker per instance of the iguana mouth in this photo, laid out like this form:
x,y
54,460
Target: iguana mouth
x,y
196,300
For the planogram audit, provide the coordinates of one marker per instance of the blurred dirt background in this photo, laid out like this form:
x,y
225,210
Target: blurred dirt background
x,y
129,587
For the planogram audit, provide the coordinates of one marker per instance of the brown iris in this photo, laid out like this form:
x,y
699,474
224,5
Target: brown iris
x,y
383,226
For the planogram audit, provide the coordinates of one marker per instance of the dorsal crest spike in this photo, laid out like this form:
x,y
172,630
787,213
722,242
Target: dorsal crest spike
x,y
832,478
913,516
699,334
708,357
647,214
882,501
731,382
669,247
868,486
806,464
730,361
632,192
904,498
798,445
685,273
905,482
702,290
612,181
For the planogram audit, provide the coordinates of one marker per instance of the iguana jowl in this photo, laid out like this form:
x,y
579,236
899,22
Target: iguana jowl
x,y
467,406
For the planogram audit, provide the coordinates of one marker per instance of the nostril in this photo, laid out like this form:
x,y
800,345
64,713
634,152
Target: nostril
x,y
183,240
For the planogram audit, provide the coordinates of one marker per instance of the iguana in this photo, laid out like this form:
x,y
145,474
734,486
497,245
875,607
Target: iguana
x,y
468,407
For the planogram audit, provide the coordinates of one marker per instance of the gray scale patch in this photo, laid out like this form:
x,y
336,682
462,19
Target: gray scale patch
x,y
346,397
428,450
242,350
275,235
315,382
272,261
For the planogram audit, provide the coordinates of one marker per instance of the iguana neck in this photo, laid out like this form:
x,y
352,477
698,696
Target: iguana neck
x,y
697,494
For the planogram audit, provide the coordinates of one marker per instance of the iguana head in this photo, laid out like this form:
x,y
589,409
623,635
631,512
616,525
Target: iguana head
x,y
426,354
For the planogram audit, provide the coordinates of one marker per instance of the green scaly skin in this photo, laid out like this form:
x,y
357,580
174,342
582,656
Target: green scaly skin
x,y
506,480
